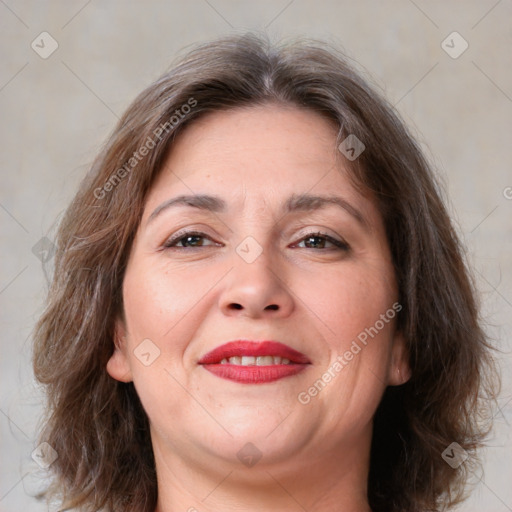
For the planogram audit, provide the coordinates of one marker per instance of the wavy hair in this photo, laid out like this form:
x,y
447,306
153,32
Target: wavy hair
x,y
97,425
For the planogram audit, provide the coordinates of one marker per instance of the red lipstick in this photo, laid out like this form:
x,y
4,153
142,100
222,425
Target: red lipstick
x,y
285,361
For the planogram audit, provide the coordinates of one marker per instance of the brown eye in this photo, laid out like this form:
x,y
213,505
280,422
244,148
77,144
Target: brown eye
x,y
322,241
191,239
315,242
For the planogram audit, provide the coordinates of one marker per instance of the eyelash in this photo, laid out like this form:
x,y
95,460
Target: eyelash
x,y
339,244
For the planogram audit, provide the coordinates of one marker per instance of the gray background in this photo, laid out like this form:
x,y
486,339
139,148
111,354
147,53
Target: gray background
x,y
56,112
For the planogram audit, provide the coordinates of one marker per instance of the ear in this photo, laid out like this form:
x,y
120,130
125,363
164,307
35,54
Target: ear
x,y
399,370
118,366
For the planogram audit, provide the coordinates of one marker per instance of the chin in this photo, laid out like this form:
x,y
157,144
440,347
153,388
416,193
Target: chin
x,y
277,436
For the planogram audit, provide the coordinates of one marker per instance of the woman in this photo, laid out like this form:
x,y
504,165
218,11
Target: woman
x,y
260,303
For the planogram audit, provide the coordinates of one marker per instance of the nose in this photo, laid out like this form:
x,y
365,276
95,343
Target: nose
x,y
256,290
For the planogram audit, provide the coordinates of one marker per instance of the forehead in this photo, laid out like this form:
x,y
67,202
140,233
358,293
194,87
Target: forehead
x,y
259,154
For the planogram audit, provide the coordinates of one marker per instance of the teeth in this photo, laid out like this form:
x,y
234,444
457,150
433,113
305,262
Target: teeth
x,y
248,360
255,361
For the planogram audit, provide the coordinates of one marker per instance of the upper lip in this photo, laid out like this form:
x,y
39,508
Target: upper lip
x,y
253,348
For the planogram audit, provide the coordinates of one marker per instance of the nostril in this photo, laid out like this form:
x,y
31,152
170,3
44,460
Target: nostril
x,y
234,305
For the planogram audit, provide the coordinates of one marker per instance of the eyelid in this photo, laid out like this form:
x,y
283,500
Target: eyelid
x,y
320,231
182,233
338,242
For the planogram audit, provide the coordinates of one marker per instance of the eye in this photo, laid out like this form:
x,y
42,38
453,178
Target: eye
x,y
322,241
189,239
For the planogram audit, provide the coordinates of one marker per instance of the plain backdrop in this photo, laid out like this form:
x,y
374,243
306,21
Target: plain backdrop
x,y
453,90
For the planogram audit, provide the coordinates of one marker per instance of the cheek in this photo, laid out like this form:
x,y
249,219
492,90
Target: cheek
x,y
350,301
157,300
160,306
349,305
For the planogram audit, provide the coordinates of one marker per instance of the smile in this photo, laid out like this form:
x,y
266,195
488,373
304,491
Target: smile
x,y
252,362
258,361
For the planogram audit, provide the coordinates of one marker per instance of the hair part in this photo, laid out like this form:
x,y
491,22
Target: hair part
x,y
98,426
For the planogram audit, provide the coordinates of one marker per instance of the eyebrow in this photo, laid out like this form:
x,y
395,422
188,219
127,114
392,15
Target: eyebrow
x,y
309,202
199,201
296,202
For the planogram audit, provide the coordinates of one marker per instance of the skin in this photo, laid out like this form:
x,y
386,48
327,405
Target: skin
x,y
189,299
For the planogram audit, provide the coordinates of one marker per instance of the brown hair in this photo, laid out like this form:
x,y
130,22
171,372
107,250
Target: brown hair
x,y
97,424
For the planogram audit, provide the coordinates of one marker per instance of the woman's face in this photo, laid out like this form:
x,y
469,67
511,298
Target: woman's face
x,y
272,243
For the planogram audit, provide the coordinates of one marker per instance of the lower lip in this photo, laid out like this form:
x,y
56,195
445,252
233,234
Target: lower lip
x,y
254,374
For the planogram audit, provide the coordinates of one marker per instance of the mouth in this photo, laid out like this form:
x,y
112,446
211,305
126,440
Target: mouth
x,y
252,362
